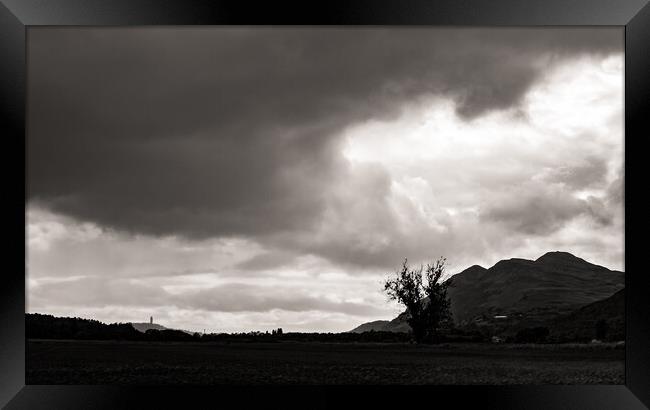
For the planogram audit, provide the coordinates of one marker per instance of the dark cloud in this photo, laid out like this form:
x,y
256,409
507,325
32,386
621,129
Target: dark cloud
x,y
535,212
215,132
616,190
536,209
586,173
599,211
268,260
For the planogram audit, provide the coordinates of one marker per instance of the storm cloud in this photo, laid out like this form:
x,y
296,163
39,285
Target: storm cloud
x,y
213,132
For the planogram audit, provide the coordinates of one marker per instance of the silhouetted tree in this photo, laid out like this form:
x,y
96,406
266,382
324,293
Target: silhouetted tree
x,y
424,296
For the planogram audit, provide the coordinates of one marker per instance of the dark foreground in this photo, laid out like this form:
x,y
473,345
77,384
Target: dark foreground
x,y
115,362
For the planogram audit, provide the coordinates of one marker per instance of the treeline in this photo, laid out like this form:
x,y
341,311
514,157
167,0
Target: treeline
x,y
368,337
40,326
348,337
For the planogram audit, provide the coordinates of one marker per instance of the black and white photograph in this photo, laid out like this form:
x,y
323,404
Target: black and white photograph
x,y
325,205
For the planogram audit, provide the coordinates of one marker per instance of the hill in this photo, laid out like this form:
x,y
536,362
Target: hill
x,y
583,323
144,326
376,326
522,292
554,284
397,325
38,326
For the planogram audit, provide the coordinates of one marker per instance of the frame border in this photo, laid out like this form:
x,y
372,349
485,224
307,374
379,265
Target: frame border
x,y
17,15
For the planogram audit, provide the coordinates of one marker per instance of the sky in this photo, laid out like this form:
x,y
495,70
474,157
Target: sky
x,y
237,179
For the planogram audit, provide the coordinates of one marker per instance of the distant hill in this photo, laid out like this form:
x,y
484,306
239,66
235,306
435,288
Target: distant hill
x,y
38,326
376,326
527,292
144,326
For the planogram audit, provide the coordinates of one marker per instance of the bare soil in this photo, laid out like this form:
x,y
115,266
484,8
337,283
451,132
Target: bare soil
x,y
155,363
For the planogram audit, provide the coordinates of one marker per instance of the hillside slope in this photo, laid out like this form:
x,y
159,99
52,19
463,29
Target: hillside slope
x,y
582,324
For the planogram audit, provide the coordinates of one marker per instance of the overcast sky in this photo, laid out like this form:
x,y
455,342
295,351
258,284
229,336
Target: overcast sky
x,y
235,179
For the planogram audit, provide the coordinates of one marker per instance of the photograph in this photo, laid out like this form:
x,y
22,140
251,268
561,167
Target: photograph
x,y
325,205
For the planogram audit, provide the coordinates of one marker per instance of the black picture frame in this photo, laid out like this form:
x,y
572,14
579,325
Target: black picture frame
x,y
16,16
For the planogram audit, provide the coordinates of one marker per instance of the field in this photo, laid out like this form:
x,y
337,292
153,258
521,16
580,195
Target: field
x,y
152,363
